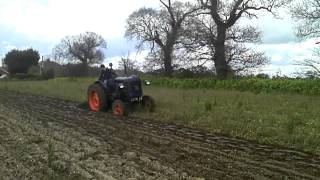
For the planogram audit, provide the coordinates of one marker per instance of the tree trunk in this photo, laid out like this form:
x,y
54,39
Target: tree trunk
x,y
221,65
168,60
125,69
85,68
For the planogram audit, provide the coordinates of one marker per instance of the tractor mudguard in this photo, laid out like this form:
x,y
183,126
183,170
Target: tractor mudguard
x,y
107,86
102,83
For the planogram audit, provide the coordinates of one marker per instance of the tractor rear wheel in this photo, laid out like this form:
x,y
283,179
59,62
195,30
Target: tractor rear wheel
x,y
119,108
148,103
97,98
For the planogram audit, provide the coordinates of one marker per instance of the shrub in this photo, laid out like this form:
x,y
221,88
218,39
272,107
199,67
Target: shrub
x,y
19,61
33,71
48,74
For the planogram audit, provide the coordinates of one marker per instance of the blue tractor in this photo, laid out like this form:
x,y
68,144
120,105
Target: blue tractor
x,y
120,94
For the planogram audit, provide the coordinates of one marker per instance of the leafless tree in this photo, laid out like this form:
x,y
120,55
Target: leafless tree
x,y
85,48
195,47
153,62
243,60
199,43
226,14
311,66
307,15
128,65
160,28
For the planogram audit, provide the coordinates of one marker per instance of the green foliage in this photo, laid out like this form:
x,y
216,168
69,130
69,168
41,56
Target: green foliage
x,y
256,85
25,77
48,74
33,70
19,61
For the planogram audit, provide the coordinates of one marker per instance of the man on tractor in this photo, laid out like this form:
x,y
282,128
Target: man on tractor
x,y
106,75
103,68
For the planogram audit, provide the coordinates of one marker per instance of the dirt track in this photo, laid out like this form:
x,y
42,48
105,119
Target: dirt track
x,y
46,138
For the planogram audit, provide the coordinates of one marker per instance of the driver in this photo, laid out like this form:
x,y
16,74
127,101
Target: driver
x,y
103,69
112,73
107,74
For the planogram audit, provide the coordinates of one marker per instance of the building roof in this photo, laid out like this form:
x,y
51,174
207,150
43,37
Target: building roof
x,y
3,71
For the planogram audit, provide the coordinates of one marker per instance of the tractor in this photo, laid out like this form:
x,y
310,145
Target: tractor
x,y
121,94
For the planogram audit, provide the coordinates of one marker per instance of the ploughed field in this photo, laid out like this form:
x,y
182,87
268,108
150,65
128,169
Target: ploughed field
x,y
45,138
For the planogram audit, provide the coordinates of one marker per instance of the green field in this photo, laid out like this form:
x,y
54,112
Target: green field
x,y
286,119
256,85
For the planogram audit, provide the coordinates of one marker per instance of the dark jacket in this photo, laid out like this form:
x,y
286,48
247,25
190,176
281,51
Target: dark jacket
x,y
107,74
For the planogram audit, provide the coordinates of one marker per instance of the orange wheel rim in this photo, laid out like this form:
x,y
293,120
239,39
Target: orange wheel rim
x,y
94,101
118,110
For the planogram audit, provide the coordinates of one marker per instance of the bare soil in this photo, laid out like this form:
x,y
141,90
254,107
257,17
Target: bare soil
x,y
45,138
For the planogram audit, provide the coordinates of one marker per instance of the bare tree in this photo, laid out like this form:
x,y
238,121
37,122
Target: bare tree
x,y
199,43
153,62
160,28
243,60
307,15
195,47
85,48
311,66
128,65
226,14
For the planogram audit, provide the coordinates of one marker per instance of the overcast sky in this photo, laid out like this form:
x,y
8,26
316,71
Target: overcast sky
x,y
41,24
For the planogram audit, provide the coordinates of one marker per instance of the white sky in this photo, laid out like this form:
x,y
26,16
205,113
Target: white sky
x,y
42,23
50,20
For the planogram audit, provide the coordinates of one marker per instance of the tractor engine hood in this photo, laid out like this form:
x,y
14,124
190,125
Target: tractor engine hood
x,y
127,79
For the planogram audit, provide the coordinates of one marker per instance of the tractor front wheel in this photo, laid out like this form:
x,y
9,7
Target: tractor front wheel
x,y
119,108
96,98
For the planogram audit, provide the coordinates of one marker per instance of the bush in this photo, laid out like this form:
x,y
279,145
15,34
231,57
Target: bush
x,y
25,77
263,76
76,70
19,61
34,74
33,71
48,74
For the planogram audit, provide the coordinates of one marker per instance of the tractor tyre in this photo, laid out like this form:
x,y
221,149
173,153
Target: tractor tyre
x,y
97,100
148,104
119,108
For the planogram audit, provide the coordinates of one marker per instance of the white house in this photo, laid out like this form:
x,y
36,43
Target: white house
x,y
3,73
